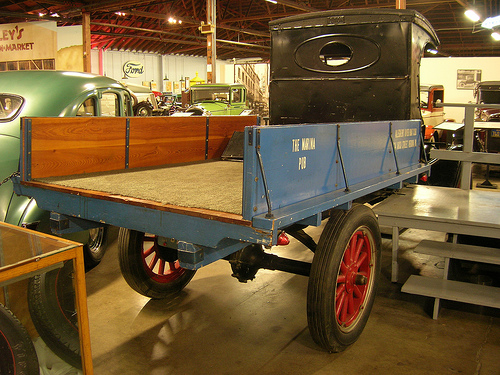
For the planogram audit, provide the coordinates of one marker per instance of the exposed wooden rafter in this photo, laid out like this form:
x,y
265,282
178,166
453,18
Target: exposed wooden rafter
x,y
144,27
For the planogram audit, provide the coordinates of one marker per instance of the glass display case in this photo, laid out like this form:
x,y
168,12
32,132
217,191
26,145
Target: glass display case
x,y
46,261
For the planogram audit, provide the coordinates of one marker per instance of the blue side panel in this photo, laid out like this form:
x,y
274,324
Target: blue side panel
x,y
303,161
194,229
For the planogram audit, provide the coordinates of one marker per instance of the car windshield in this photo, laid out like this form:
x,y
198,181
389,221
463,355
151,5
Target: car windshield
x,y
489,96
424,98
216,93
9,106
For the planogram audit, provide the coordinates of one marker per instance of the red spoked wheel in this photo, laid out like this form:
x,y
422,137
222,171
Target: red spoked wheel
x,y
159,262
343,277
149,268
353,280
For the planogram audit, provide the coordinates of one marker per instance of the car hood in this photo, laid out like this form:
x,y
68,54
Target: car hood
x,y
493,112
214,107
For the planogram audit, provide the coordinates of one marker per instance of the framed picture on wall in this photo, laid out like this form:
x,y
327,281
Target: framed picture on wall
x,y
467,78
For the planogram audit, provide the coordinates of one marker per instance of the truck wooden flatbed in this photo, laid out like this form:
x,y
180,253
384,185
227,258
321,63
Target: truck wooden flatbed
x,y
290,174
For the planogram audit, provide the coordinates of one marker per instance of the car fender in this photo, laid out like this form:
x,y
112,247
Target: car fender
x,y
23,211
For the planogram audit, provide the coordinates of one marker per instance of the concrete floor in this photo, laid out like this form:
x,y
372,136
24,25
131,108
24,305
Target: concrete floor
x,y
220,326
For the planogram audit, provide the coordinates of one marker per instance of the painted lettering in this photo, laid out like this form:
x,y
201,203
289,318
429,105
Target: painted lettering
x,y
133,68
302,163
15,33
400,145
17,47
400,133
295,145
20,33
308,144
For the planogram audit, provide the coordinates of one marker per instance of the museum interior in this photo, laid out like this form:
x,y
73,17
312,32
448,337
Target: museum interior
x,y
250,187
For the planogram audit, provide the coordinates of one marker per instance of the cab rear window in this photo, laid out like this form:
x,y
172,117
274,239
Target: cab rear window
x,y
9,106
110,105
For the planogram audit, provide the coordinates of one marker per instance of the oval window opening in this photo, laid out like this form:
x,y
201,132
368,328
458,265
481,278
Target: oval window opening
x,y
335,54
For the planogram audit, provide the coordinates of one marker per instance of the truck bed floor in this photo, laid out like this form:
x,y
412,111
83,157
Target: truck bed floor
x,y
214,185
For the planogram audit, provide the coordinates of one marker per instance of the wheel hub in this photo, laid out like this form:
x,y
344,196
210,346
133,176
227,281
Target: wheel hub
x,y
350,279
354,278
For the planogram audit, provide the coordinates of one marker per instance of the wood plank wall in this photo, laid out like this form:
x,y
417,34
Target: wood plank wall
x,y
65,146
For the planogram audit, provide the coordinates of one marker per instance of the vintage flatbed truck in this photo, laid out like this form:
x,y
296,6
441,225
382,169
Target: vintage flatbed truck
x,y
345,124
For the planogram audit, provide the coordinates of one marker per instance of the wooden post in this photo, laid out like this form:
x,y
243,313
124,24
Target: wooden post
x,y
400,4
86,42
211,37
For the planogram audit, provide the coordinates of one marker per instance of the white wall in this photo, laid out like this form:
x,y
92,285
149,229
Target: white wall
x,y
68,36
443,71
158,69
435,70
113,65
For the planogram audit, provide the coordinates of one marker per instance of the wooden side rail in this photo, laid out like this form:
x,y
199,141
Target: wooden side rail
x,y
166,140
63,146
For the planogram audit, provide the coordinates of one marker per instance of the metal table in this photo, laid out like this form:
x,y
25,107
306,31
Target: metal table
x,y
441,209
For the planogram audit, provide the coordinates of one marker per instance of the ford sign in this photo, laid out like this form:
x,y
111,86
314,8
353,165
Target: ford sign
x,y
133,69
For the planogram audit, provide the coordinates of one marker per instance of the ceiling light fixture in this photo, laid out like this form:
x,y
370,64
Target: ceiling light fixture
x,y
491,22
495,35
472,15
272,1
172,20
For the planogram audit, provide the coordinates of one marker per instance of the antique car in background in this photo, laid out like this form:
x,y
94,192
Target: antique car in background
x,y
145,101
54,94
215,99
51,93
430,95
487,92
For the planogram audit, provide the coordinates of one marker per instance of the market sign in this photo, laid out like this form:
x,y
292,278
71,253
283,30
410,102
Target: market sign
x,y
133,69
25,41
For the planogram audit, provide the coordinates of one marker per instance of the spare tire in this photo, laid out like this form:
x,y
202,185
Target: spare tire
x,y
51,302
17,353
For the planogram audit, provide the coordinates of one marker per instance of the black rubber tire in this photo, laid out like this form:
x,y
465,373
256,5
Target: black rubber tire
x,y
94,249
433,139
328,327
143,109
17,353
147,280
51,302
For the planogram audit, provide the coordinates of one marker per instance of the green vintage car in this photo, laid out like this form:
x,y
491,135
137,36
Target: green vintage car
x,y
216,99
50,93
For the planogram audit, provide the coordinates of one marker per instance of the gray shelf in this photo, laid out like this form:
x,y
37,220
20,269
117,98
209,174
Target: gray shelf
x,y
459,251
453,290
